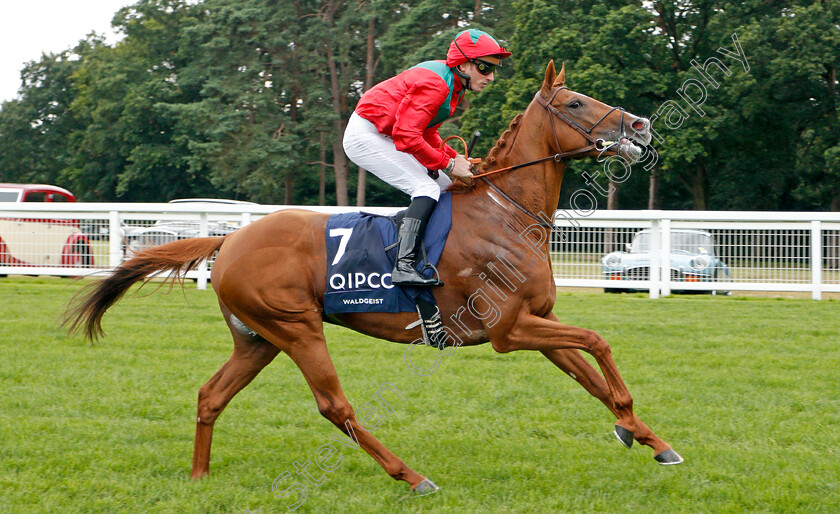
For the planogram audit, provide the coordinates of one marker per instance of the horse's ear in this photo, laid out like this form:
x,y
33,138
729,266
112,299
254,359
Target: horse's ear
x,y
550,74
561,77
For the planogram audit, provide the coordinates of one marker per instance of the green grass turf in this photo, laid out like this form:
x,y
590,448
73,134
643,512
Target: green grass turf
x,y
747,390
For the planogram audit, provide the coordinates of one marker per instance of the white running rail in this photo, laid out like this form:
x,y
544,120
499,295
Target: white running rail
x,y
757,251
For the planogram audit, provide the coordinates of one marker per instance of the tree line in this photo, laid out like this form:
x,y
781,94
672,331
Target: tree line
x,y
248,99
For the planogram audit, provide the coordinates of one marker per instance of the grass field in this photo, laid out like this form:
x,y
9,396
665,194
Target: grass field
x,y
747,390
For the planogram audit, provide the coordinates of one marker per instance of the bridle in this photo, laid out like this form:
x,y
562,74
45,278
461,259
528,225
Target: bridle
x,y
594,144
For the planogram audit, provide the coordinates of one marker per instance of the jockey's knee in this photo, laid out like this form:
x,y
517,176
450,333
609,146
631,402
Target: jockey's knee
x,y
431,190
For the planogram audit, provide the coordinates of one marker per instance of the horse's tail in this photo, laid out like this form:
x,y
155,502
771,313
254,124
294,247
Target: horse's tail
x,y
89,304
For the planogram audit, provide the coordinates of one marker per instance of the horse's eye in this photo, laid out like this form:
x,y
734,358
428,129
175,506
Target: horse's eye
x,y
574,104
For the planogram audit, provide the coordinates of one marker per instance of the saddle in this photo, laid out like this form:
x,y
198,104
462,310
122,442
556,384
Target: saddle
x,y
361,251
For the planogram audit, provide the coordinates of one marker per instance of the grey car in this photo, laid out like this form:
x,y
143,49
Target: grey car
x,y
140,237
693,259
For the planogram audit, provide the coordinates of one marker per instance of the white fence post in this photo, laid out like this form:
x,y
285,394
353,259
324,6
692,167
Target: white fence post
x,y
816,260
653,273
203,231
115,255
665,263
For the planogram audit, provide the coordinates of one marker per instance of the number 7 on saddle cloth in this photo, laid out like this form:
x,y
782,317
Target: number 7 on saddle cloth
x,y
359,267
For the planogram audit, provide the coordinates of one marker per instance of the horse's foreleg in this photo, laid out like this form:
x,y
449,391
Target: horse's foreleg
x,y
250,356
531,332
573,364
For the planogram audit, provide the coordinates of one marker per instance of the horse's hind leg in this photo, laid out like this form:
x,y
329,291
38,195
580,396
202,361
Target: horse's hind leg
x,y
251,354
304,342
572,363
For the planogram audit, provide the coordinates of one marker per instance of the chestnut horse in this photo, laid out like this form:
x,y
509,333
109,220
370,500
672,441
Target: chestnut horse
x,y
270,278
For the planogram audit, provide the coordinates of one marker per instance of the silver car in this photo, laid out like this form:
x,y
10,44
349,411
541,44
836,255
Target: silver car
x,y
139,237
693,259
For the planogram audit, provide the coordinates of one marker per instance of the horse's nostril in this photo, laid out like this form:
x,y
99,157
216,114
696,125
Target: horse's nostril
x,y
638,125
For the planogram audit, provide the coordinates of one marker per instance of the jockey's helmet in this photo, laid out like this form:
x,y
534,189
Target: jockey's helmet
x,y
471,44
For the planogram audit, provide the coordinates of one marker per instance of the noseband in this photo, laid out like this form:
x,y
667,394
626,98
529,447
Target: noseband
x,y
594,144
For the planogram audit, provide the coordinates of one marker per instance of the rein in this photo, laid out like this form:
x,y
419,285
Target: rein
x,y
595,144
495,188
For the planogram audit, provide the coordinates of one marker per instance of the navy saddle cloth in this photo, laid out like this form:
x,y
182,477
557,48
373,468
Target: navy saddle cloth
x,y
359,268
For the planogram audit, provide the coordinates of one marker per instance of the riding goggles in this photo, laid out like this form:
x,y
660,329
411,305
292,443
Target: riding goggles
x,y
484,67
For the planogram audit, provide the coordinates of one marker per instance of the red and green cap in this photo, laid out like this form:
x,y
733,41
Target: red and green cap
x,y
472,44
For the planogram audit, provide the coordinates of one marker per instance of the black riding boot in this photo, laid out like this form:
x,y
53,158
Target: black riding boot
x,y
410,236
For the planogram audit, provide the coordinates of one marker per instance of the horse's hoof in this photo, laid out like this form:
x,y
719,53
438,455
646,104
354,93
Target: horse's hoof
x,y
668,457
624,435
426,487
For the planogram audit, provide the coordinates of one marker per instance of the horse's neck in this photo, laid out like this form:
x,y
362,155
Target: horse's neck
x,y
535,187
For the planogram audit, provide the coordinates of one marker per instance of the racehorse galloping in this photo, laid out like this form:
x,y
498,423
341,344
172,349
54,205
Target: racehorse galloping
x,y
271,275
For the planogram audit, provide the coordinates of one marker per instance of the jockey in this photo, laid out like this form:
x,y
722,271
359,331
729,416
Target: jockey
x,y
393,133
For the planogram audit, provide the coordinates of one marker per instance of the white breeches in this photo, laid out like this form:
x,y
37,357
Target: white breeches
x,y
375,152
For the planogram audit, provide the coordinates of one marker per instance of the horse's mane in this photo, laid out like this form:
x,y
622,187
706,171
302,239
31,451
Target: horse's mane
x,y
459,187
